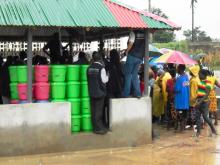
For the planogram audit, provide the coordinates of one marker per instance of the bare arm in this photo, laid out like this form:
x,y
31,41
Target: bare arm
x,y
130,44
217,83
45,50
64,47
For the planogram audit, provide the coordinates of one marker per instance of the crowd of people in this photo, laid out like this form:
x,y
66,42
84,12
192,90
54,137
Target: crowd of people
x,y
176,100
183,100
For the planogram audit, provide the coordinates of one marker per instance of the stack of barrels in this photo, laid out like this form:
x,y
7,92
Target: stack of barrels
x,y
18,85
77,94
73,96
13,84
85,108
41,88
57,83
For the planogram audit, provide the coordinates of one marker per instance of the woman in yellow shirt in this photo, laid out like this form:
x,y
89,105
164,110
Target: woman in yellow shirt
x,y
212,96
158,104
194,80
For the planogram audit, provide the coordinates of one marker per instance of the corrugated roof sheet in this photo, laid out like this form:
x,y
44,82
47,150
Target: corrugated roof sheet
x,y
72,13
76,13
148,15
89,13
161,19
155,24
125,16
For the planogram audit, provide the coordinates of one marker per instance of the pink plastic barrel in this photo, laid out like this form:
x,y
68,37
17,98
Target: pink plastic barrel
x,y
42,91
33,90
41,73
14,102
22,91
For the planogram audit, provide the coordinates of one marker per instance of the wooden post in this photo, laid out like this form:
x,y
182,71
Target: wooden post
x,y
60,42
146,63
71,45
29,64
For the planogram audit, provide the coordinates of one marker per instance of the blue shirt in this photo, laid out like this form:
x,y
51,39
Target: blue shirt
x,y
182,93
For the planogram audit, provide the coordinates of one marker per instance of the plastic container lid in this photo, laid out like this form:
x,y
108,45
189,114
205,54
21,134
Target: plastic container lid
x,y
86,115
13,84
13,67
22,84
84,82
84,66
58,66
22,66
85,99
74,99
58,100
58,83
41,83
76,116
41,65
73,83
73,66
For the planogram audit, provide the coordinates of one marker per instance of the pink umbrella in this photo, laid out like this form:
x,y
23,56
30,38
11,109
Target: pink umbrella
x,y
165,50
176,57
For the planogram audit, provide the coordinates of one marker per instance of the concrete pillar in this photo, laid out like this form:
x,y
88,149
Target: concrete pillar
x,y
146,63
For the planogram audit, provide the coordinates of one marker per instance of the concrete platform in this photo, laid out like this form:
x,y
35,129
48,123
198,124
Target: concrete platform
x,y
45,128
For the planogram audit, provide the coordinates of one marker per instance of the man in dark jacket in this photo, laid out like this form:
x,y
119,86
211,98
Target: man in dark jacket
x,y
97,79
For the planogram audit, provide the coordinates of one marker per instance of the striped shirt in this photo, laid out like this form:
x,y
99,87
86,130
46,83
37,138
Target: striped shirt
x,y
202,87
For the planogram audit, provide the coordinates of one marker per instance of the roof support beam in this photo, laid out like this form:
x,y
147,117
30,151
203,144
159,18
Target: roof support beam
x,y
29,63
60,41
146,63
71,45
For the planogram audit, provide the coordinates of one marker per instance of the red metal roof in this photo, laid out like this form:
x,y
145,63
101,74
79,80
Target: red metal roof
x,y
125,16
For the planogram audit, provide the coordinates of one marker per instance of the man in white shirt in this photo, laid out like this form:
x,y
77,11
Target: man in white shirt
x,y
135,55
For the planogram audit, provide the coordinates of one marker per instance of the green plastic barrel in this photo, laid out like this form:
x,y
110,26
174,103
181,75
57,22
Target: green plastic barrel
x,y
73,89
58,100
83,73
86,123
22,74
58,73
13,73
76,123
75,106
14,91
58,90
73,72
86,108
84,89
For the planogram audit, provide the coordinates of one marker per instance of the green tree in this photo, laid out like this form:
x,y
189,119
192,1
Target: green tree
x,y
198,35
165,35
